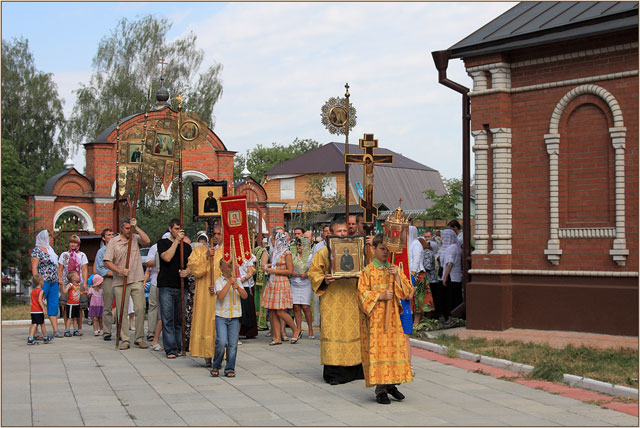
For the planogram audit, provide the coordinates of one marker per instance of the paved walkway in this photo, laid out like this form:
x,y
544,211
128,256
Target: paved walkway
x,y
84,381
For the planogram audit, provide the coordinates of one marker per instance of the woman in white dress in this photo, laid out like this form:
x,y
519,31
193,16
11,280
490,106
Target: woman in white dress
x,y
301,291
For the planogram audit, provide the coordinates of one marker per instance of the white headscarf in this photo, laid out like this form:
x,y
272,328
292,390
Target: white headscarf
x,y
281,245
449,237
42,240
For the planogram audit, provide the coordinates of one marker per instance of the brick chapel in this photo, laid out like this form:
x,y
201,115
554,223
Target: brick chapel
x,y
91,196
554,117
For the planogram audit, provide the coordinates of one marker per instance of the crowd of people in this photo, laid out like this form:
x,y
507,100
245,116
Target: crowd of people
x,y
220,301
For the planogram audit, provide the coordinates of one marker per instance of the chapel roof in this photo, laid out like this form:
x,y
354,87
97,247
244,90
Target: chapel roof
x,y
535,23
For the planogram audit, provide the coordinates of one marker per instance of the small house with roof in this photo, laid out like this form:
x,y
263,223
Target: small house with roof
x,y
406,179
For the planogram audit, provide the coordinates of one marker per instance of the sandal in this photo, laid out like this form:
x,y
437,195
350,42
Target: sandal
x,y
214,372
230,374
171,356
273,342
57,334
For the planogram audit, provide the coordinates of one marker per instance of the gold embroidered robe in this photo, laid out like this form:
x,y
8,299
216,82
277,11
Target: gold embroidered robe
x,y
203,323
385,357
339,313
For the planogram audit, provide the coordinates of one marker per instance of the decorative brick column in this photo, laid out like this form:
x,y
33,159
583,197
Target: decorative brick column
x,y
619,251
501,148
553,250
481,149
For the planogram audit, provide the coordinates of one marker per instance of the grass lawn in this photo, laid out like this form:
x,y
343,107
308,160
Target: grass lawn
x,y
619,366
13,310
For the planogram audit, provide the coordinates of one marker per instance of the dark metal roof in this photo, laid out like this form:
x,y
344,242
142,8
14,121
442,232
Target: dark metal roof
x,y
330,158
392,184
102,138
536,23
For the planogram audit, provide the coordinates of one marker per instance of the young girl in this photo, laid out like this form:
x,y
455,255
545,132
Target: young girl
x,y
228,291
97,304
72,310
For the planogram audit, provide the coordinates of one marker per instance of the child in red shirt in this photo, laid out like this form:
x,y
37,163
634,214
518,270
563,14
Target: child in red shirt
x,y
73,304
37,311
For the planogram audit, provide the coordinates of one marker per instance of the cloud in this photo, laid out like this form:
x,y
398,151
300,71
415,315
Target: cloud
x,y
282,61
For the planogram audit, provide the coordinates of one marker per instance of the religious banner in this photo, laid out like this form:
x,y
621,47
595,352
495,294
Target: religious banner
x,y
234,226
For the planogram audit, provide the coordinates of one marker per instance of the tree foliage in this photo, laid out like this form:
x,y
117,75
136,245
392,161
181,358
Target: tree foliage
x,y
125,77
32,116
261,159
15,178
446,206
32,143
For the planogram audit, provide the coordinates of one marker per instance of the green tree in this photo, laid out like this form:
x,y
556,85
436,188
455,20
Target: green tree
x,y
32,117
446,206
125,74
15,178
261,159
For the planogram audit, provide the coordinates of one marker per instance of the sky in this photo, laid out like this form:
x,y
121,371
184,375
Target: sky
x,y
283,60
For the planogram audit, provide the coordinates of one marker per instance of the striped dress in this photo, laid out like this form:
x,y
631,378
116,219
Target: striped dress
x,y
277,293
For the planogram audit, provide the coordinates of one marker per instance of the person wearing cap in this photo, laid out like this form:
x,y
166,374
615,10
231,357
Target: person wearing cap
x,y
96,304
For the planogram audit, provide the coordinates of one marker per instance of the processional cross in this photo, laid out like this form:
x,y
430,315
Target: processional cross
x,y
368,159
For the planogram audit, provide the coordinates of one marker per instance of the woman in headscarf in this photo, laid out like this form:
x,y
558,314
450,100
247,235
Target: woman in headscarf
x,y
44,262
69,261
451,262
277,293
301,291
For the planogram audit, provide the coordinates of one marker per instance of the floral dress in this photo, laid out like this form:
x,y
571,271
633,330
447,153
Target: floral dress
x,y
277,293
46,268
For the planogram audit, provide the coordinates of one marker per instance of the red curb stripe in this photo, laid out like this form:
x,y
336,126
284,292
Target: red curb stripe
x,y
563,390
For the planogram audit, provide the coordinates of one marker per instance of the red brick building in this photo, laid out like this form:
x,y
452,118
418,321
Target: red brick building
x,y
90,196
554,117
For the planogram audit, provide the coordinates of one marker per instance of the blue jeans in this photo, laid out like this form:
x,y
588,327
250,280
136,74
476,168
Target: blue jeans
x,y
227,333
171,315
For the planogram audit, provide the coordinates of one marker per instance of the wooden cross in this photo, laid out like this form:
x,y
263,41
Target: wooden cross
x,y
368,160
162,64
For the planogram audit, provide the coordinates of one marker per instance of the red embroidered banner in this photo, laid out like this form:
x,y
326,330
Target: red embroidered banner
x,y
235,228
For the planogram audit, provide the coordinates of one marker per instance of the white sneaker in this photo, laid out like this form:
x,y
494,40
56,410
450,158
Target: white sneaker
x,y
96,333
239,343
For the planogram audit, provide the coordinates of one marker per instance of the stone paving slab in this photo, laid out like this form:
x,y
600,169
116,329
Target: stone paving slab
x,y
85,381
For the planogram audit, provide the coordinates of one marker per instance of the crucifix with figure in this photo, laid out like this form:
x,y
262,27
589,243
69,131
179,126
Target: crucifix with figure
x,y
368,159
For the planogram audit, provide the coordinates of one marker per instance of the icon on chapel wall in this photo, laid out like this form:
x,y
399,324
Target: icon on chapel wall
x,y
163,145
189,130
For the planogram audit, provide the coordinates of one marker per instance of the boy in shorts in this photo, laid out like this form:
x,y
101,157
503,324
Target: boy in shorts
x,y
37,311
74,290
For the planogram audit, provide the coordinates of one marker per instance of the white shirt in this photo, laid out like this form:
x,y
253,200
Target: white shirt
x,y
224,307
452,254
152,255
245,268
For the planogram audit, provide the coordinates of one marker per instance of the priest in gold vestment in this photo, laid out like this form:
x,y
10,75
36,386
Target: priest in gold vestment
x,y
340,318
385,357
204,263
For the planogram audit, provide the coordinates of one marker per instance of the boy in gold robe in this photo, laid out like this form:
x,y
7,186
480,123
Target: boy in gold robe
x,y
385,357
